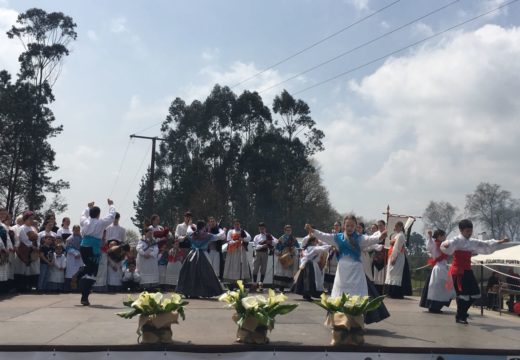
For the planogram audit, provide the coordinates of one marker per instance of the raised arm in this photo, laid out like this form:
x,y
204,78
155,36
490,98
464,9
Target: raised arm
x,y
485,246
370,240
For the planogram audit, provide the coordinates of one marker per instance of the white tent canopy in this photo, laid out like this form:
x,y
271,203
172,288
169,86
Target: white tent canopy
x,y
509,256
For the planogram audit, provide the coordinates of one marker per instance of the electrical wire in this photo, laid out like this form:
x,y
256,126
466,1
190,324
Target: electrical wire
x,y
315,44
404,48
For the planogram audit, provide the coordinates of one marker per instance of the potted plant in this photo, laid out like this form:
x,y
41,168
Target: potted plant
x,y
345,316
156,314
254,315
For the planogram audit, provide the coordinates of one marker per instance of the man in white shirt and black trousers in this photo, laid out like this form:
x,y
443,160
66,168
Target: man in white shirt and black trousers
x,y
92,228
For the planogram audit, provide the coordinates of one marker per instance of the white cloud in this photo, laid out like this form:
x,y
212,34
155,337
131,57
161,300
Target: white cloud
x,y
210,54
360,5
142,114
91,34
79,160
10,49
385,25
118,25
443,119
421,29
237,72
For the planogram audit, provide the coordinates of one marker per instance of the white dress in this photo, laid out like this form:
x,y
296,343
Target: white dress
x,y
114,277
236,266
313,254
350,275
440,287
57,271
148,267
394,273
5,269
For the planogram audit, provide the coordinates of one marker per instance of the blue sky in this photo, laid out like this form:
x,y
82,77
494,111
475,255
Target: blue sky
x,y
428,124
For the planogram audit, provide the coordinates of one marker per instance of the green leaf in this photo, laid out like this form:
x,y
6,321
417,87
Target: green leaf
x,y
374,303
283,309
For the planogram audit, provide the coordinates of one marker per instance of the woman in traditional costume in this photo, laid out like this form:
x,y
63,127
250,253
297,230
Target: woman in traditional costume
x,y
309,281
286,259
438,289
197,278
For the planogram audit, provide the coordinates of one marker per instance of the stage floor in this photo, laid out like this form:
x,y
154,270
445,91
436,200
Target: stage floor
x,y
58,320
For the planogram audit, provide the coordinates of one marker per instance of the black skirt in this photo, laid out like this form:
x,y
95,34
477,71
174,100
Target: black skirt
x,y
433,305
381,312
406,284
305,284
197,278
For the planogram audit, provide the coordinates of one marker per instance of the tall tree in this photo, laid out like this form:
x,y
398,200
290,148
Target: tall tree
x,y
225,157
441,215
488,205
45,38
296,119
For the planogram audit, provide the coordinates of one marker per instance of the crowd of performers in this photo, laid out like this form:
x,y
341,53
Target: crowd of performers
x,y
197,258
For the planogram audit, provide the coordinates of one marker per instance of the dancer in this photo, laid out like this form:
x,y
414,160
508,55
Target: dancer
x,y
309,281
332,261
462,247
197,278
286,263
93,229
350,275
398,280
438,289
262,243
236,266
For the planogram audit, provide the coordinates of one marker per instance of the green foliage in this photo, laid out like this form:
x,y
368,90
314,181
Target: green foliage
x,y
27,158
152,304
349,304
225,157
259,307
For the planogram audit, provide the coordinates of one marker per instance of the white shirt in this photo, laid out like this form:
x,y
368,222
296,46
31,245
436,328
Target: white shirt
x,y
116,232
24,230
96,227
182,230
259,238
474,245
64,233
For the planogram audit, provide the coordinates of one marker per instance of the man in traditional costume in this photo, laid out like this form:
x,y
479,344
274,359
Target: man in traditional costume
x,y
462,247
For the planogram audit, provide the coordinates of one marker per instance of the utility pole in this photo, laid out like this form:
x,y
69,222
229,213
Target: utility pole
x,y
151,182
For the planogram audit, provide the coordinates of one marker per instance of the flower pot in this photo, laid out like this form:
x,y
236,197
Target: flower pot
x,y
346,329
156,329
251,332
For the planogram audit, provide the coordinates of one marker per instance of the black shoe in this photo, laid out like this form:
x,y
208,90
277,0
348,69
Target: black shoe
x,y
460,321
85,303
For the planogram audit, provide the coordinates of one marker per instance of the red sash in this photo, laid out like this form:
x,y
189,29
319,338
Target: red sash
x,y
461,262
433,261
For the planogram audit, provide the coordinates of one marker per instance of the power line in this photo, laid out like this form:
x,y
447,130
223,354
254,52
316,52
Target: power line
x,y
120,167
316,43
405,48
149,127
359,46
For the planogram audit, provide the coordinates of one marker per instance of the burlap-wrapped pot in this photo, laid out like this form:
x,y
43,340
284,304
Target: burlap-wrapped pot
x,y
251,332
346,329
155,329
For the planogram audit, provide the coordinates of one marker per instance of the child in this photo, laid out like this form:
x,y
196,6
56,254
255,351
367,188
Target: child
x,y
176,257
309,281
115,256
73,256
438,289
46,261
162,263
131,277
57,271
64,232
462,247
147,252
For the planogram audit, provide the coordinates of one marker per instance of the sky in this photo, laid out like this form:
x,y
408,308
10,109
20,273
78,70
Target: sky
x,y
427,123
